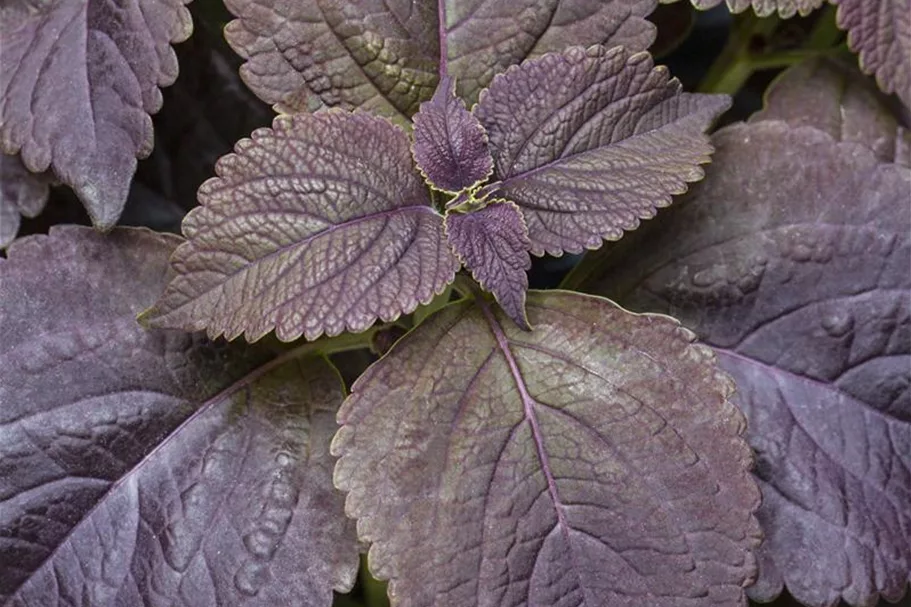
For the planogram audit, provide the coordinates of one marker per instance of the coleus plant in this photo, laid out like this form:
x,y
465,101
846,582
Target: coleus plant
x,y
540,448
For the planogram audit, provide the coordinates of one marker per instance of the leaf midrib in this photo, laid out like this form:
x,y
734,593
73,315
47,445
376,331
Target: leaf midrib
x,y
528,403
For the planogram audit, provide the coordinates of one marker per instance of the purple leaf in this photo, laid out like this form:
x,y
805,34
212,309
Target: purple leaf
x,y
21,193
589,142
785,8
78,80
378,55
317,225
836,98
154,467
493,243
384,55
485,37
880,32
450,145
792,259
594,461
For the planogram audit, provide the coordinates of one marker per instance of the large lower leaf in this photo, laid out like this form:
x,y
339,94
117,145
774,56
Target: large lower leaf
x,y
792,260
880,32
318,225
154,468
78,80
589,142
22,193
594,461
384,55
838,99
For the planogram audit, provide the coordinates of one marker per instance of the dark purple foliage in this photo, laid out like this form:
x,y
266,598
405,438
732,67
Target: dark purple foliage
x,y
493,244
149,467
879,31
800,281
22,193
450,145
384,55
298,213
78,80
589,142
592,461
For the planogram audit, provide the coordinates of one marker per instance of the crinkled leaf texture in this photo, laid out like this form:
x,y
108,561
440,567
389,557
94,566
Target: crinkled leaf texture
x,y
764,8
880,32
792,259
594,461
21,193
150,468
78,80
318,225
835,97
590,141
383,55
450,145
493,244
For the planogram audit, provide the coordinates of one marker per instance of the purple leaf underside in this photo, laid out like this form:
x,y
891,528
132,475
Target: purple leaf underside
x,y
493,244
316,226
594,461
589,142
78,80
792,259
154,467
22,193
383,55
879,31
835,97
763,8
450,145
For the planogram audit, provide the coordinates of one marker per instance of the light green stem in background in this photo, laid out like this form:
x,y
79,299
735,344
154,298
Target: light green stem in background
x,y
374,590
732,68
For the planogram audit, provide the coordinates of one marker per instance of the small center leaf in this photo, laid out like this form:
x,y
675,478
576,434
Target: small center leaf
x,y
450,145
493,243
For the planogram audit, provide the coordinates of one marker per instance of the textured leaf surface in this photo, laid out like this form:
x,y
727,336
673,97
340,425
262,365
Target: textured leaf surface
x,y
880,32
450,146
800,281
589,142
593,461
493,244
764,8
485,37
78,80
154,468
21,193
318,225
378,55
838,99
383,55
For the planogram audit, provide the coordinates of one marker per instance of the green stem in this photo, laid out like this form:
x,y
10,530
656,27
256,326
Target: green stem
x,y
374,590
779,59
465,286
733,66
435,304
825,33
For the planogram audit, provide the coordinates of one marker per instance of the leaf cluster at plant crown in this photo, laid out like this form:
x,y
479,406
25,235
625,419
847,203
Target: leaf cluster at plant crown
x,y
324,224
